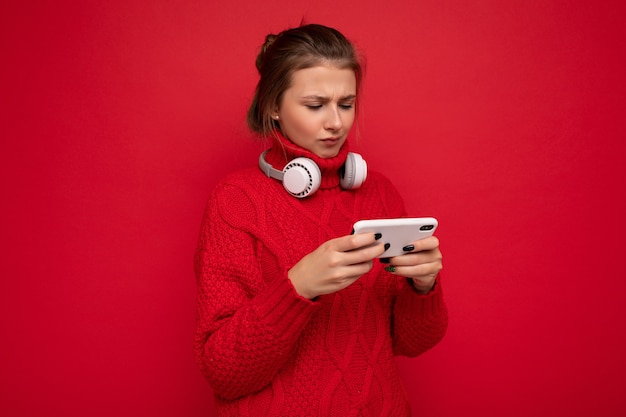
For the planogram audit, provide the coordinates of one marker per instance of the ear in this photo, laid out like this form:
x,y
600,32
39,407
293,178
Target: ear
x,y
275,115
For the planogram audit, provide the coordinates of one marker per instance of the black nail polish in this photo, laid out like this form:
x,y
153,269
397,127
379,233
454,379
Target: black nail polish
x,y
408,248
378,236
352,232
387,246
384,260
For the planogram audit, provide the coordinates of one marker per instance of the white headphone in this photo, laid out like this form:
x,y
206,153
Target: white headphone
x,y
302,177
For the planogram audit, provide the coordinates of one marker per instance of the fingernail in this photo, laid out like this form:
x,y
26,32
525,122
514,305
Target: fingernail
x,y
390,268
352,232
408,248
384,260
387,246
378,236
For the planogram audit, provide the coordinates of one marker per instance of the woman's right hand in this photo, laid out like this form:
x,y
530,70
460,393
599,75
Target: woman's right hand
x,y
335,265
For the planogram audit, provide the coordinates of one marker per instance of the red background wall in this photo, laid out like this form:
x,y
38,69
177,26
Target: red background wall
x,y
504,119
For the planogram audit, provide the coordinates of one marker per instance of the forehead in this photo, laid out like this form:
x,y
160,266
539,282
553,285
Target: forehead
x,y
324,80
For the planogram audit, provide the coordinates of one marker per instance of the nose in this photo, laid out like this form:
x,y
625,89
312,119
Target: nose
x,y
333,119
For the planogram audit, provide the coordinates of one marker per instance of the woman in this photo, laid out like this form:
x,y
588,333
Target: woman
x,y
295,318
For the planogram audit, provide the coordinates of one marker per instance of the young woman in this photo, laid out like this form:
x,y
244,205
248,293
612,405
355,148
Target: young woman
x,y
295,315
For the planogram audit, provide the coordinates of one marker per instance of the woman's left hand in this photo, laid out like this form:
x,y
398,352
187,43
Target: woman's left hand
x,y
422,262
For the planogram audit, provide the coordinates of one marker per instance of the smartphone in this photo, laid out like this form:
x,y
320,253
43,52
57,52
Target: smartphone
x,y
398,232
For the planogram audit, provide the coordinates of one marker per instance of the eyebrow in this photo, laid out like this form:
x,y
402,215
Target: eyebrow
x,y
326,99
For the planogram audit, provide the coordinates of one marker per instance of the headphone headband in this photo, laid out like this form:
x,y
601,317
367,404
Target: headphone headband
x,y
302,177
269,170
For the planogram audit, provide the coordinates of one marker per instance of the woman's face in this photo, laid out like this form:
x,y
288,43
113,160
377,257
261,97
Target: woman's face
x,y
317,111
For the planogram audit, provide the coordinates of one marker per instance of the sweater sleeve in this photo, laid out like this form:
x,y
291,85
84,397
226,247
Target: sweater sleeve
x,y
419,321
247,324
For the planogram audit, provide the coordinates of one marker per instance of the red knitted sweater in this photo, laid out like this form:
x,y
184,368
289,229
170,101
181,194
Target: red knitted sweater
x,y
265,350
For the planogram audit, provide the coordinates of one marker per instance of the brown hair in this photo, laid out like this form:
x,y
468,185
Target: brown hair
x,y
291,50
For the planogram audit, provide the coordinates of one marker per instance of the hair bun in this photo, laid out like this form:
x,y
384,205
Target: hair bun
x,y
269,40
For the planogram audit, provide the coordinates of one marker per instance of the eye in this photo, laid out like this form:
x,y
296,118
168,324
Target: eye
x,y
313,106
346,106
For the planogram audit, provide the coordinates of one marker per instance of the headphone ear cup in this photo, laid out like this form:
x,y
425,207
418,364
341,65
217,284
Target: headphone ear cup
x,y
302,177
354,172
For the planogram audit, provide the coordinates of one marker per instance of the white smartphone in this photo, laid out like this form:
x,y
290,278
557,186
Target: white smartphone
x,y
398,232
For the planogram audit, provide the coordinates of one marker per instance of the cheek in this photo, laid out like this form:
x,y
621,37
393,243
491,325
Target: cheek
x,y
350,120
304,122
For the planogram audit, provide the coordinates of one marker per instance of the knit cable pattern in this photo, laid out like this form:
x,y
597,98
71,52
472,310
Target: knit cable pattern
x,y
265,350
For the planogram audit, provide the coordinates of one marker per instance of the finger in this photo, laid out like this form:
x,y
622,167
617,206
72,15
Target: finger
x,y
421,271
354,271
428,243
365,253
353,242
422,257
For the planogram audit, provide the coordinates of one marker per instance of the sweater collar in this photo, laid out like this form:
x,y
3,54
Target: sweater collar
x,y
283,150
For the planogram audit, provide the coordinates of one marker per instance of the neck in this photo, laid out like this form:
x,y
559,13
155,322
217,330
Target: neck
x,y
283,151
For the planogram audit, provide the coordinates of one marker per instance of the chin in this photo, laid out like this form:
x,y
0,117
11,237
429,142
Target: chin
x,y
329,151
327,154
